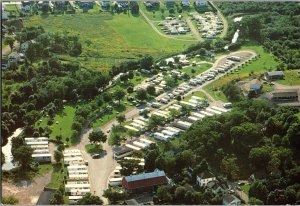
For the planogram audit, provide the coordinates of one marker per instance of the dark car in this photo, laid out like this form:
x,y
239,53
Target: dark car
x,y
96,156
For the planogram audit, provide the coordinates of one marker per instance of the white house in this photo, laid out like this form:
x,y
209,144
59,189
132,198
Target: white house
x,y
204,178
231,200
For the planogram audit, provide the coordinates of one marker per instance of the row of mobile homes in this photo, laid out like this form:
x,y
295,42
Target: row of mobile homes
x,y
40,146
182,125
78,177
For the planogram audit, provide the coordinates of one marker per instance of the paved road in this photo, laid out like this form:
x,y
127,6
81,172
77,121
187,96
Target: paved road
x,y
193,29
157,30
100,169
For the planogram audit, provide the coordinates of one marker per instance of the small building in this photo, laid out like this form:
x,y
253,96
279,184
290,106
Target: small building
x,y
231,200
255,87
205,177
286,95
144,182
274,75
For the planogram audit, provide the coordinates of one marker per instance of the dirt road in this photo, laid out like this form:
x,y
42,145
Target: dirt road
x,y
29,192
6,50
193,29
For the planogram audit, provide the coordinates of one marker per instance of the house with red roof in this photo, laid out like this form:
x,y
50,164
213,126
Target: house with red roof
x,y
144,182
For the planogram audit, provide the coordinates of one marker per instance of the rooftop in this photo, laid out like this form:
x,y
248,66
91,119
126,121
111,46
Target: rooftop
x,y
275,73
155,173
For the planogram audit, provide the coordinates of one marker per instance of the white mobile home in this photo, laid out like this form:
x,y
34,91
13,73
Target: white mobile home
x,y
139,122
132,147
169,133
173,129
73,160
219,109
78,172
213,111
197,98
41,151
206,113
196,114
183,125
146,141
140,144
36,139
115,181
160,136
76,167
188,104
78,177
193,119
194,101
131,128
41,157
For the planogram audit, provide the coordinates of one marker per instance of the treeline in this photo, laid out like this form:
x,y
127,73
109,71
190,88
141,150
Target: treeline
x,y
252,138
275,25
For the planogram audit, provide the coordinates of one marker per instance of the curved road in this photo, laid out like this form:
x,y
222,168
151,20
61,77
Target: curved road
x,y
100,169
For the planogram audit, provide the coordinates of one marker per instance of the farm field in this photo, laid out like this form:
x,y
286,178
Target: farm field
x,y
264,63
109,39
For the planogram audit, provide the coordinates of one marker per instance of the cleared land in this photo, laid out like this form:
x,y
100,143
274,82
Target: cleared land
x,y
114,38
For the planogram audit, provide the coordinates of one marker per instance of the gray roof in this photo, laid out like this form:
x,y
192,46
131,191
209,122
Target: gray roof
x,y
230,198
275,73
143,176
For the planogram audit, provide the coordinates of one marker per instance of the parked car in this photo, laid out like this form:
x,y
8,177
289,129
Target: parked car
x,y
96,156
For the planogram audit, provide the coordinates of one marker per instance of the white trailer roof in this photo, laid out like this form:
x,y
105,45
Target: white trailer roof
x,y
196,114
146,141
139,144
206,113
219,109
185,123
41,155
188,103
132,147
173,129
213,111
139,122
131,128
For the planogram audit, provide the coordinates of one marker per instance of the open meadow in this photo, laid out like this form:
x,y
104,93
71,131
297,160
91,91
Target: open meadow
x,y
109,39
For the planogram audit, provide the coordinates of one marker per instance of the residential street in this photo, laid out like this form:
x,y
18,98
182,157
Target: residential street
x,y
100,169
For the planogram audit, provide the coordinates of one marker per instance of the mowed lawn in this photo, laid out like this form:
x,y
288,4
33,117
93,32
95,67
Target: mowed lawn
x,y
62,123
265,62
114,38
291,78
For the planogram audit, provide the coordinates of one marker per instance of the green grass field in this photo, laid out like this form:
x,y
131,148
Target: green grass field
x,y
197,94
198,69
298,115
265,62
115,38
291,78
63,127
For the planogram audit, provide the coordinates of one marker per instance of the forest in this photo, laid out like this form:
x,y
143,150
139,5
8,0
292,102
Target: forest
x,y
254,138
275,25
